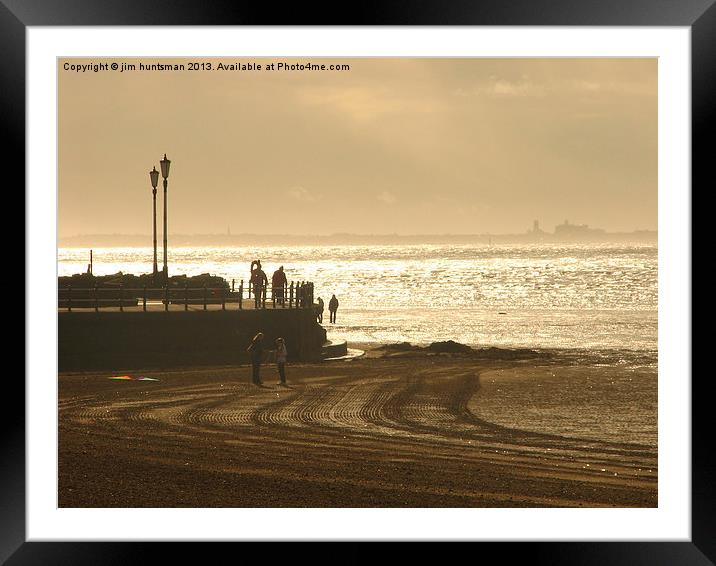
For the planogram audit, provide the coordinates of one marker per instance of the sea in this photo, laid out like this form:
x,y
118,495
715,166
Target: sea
x,y
595,298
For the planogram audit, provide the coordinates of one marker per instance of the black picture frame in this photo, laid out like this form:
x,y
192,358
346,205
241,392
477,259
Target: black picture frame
x,y
16,15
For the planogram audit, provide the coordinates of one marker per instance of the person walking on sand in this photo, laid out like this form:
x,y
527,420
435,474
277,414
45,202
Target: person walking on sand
x,y
332,308
278,284
259,282
256,351
281,355
319,310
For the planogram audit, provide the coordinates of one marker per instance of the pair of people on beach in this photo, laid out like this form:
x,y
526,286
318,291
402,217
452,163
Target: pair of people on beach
x,y
256,353
332,309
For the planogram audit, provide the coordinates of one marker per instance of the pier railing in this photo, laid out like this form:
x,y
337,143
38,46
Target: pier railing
x,y
296,295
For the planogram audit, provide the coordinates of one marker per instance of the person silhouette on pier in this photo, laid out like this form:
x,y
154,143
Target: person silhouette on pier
x,y
258,282
332,308
278,284
256,352
255,264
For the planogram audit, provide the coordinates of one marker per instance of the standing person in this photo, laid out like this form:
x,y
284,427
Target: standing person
x,y
256,351
320,310
259,282
333,307
254,266
281,355
278,283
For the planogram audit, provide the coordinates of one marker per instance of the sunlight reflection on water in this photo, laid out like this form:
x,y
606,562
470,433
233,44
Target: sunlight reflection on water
x,y
597,296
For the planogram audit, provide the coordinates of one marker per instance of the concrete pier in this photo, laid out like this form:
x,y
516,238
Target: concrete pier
x,y
135,339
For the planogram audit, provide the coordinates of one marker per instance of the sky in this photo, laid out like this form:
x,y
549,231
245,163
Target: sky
x,y
392,145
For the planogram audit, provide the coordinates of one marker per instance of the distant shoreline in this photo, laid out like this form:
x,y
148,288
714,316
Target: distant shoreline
x,y
229,240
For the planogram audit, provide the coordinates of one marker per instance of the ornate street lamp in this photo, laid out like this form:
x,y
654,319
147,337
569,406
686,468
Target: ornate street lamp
x,y
154,178
164,165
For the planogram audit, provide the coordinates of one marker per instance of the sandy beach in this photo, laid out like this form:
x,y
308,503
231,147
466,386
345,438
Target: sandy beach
x,y
390,429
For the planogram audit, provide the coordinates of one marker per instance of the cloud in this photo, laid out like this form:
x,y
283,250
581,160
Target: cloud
x,y
369,102
501,87
301,194
387,198
525,86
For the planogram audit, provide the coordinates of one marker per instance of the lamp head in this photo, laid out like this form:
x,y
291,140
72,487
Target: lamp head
x,y
154,177
164,164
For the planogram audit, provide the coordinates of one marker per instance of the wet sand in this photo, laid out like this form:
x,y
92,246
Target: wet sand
x,y
407,429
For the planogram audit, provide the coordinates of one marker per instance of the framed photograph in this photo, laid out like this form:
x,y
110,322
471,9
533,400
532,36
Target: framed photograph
x,y
493,206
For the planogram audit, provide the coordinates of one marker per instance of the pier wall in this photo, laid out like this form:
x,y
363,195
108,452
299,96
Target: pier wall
x,y
145,340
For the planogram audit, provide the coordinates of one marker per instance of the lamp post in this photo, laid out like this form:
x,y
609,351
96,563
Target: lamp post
x,y
154,178
164,165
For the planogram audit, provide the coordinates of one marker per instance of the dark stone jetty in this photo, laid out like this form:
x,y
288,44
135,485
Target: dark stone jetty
x,y
118,326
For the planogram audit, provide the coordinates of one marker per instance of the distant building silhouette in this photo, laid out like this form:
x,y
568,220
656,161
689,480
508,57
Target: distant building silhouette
x,y
535,228
576,230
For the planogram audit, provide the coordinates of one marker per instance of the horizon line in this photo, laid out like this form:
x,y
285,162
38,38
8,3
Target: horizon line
x,y
334,234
